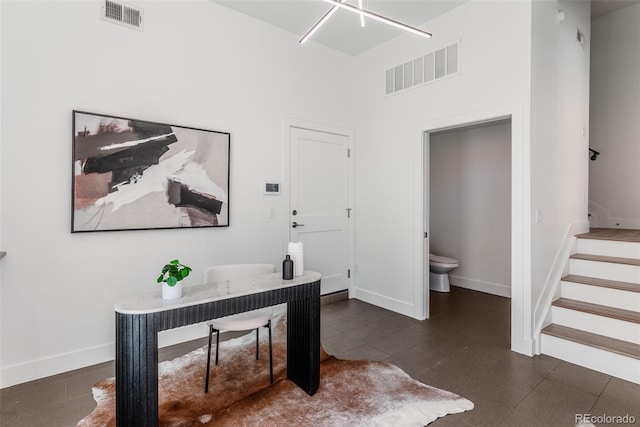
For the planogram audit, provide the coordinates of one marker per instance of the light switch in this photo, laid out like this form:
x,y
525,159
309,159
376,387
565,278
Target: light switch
x,y
538,216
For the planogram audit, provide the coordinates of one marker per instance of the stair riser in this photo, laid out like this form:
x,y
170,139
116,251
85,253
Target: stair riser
x,y
605,270
609,248
609,363
599,295
614,328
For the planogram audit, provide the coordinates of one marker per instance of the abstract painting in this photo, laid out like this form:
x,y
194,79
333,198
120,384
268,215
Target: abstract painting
x,y
133,174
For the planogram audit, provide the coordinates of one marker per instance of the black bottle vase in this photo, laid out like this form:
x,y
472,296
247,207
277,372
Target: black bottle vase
x,y
287,268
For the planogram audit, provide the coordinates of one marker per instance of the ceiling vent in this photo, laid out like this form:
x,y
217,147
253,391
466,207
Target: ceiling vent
x,y
121,14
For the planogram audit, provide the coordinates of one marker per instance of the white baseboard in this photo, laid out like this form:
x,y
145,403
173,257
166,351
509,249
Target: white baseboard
x,y
622,223
557,270
60,363
385,302
45,367
479,285
601,217
598,215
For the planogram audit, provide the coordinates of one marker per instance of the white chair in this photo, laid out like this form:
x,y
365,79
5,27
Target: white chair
x,y
254,319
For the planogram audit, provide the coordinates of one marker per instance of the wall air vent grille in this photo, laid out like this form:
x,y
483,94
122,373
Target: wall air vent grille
x,y
425,69
122,14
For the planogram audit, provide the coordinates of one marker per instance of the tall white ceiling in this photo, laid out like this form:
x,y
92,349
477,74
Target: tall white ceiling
x,y
343,31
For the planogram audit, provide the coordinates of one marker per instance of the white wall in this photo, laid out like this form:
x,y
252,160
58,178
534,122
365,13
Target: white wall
x,y
559,129
1,239
615,124
196,64
512,53
494,72
470,204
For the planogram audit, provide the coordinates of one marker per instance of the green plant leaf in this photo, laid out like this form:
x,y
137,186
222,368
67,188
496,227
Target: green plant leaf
x,y
173,272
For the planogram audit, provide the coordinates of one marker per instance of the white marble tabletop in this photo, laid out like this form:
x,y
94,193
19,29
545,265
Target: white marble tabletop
x,y
209,292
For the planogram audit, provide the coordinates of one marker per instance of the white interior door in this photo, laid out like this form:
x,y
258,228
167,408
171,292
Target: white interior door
x,y
319,202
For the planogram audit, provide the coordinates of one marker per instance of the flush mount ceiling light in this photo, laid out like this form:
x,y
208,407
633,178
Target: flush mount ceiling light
x,y
362,12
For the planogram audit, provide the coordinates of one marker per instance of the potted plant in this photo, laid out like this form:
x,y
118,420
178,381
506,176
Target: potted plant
x,y
171,276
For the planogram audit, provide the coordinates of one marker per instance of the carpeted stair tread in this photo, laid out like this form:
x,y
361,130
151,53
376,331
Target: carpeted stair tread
x,y
611,259
600,310
604,283
602,342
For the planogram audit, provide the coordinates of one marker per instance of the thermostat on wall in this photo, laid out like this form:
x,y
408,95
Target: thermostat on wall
x,y
271,187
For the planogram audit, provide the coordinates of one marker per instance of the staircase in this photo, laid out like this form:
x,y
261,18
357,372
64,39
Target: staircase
x,y
596,321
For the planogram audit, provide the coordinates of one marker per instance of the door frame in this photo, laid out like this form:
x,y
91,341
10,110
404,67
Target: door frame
x,y
287,124
521,304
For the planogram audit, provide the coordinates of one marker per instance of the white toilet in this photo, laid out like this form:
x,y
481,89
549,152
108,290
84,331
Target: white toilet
x,y
439,268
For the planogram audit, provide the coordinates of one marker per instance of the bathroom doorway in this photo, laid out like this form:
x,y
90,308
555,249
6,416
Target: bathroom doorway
x,y
470,204
519,213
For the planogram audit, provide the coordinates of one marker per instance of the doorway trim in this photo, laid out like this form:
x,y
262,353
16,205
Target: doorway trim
x,y
521,321
287,124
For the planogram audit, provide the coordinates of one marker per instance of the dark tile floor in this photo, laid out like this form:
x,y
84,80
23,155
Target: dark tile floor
x,y
463,348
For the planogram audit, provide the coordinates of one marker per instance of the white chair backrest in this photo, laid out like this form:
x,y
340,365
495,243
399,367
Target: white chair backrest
x,y
220,273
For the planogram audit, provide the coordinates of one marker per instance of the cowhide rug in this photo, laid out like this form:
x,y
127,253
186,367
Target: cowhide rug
x,y
351,393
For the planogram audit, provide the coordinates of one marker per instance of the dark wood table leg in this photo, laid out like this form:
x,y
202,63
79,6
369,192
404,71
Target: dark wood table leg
x,y
136,371
303,339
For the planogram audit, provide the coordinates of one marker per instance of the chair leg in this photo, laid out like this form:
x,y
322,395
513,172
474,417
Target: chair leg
x,y
257,343
206,383
270,354
212,331
217,344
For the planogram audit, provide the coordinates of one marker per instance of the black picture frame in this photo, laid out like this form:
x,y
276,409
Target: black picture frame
x,y
131,174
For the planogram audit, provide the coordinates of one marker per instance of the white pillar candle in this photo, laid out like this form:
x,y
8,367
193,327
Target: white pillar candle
x,y
296,252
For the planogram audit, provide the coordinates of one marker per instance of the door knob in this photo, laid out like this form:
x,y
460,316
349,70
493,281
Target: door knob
x,y
295,224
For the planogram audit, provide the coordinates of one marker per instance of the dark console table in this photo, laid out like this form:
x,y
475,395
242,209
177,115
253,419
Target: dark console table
x,y
139,319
